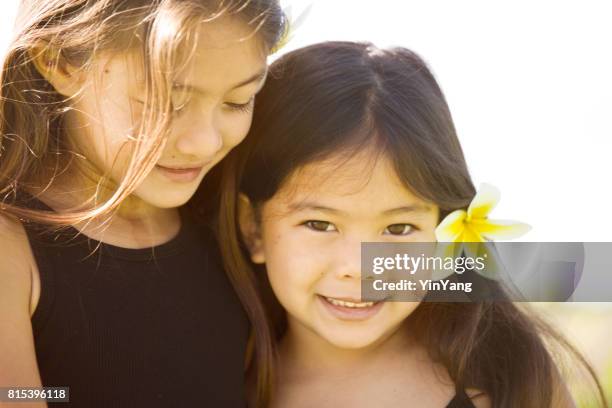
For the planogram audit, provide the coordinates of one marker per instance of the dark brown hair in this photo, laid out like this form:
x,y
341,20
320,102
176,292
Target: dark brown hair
x,y
338,98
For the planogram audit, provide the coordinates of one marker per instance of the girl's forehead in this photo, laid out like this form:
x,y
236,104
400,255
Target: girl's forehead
x,y
364,178
223,53
224,32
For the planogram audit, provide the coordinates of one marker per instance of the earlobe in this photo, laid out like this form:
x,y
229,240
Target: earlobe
x,y
250,229
56,70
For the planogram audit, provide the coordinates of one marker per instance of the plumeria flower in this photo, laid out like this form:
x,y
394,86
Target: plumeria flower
x,y
474,224
471,232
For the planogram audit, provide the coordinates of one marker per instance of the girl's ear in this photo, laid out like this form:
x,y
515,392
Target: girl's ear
x,y
65,78
250,229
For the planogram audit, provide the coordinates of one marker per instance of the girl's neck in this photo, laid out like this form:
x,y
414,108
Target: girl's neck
x,y
303,353
136,224
396,371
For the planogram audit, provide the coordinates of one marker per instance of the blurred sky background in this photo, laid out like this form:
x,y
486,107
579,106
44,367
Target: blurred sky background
x,y
529,84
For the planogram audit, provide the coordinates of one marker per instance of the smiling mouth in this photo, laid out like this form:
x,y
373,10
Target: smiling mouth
x,y
350,310
349,304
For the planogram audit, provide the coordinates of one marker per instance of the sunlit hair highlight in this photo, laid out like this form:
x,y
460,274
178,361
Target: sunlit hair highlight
x,y
33,147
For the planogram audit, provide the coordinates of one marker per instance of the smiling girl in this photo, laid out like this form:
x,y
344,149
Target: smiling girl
x,y
112,114
355,144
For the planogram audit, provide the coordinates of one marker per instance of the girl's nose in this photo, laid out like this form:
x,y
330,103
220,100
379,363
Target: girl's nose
x,y
348,263
202,139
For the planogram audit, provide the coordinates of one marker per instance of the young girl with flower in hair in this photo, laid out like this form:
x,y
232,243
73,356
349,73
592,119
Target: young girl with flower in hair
x,y
354,144
112,112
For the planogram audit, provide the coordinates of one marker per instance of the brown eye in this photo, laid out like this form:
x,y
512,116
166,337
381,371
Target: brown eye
x,y
399,229
321,226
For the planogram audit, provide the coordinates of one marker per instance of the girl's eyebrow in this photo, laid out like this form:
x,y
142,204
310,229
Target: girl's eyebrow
x,y
418,208
259,77
307,205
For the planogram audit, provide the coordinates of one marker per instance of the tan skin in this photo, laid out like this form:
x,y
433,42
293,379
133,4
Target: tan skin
x,y
226,74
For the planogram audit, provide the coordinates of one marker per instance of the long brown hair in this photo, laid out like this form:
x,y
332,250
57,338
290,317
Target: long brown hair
x,y
340,97
75,32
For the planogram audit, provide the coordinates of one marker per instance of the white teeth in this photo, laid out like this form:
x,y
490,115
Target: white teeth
x,y
344,303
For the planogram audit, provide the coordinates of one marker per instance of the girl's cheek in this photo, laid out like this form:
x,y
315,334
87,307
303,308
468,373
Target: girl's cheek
x,y
288,287
236,130
295,272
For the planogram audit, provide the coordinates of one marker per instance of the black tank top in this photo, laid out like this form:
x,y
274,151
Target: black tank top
x,y
154,327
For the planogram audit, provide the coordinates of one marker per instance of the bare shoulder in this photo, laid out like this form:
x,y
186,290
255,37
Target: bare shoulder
x,y
18,365
19,281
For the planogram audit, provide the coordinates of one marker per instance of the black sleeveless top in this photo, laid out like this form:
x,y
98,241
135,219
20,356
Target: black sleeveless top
x,y
154,327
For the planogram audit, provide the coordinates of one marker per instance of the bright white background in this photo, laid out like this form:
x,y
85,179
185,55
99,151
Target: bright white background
x,y
529,84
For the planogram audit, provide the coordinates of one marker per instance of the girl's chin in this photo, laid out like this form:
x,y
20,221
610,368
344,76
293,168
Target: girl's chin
x,y
173,197
351,341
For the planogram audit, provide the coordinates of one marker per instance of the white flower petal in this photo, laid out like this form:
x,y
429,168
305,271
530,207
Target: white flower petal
x,y
485,200
451,227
